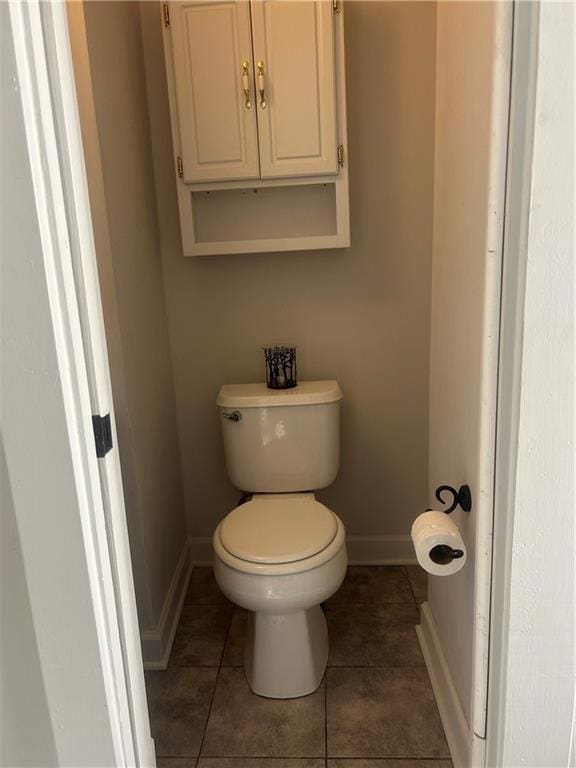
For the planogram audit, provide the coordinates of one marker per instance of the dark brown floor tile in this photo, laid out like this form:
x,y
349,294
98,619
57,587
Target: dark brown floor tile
x,y
373,585
203,589
383,713
201,635
176,762
346,763
178,702
382,636
242,724
419,581
260,762
234,651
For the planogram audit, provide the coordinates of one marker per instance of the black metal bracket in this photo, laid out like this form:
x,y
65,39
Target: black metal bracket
x,y
102,434
442,554
460,498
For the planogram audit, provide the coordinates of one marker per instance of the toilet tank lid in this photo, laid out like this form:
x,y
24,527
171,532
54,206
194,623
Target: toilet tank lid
x,y
258,395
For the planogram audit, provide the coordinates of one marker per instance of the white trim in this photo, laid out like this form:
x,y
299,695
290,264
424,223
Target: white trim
x,y
41,96
496,191
525,51
362,550
530,710
81,326
157,643
84,265
453,719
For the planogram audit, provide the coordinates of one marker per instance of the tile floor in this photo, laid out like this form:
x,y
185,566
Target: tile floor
x,y
374,709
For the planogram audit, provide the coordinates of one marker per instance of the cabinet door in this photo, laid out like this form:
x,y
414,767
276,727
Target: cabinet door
x,y
212,47
294,45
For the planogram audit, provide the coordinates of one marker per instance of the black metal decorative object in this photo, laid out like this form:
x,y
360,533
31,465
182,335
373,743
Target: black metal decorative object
x,y
460,498
280,367
443,554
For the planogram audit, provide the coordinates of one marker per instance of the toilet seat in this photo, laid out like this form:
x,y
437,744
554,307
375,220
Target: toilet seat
x,y
276,534
278,528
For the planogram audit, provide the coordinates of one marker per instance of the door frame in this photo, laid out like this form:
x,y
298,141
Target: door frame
x,y
532,680
520,140
46,80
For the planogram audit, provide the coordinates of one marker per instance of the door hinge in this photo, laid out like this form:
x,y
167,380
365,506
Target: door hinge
x,y
166,14
102,434
341,155
180,167
336,6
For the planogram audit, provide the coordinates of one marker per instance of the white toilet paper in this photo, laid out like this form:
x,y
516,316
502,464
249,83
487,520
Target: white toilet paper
x,y
430,532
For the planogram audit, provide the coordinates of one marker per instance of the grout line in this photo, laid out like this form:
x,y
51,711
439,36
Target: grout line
x,y
288,757
381,666
208,714
411,587
388,758
329,666
214,689
195,666
370,603
377,666
315,757
207,605
326,717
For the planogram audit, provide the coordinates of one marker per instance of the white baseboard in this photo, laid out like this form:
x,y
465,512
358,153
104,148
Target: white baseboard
x,y
453,719
157,643
362,550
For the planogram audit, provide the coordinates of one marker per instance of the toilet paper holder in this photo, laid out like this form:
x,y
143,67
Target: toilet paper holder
x,y
442,554
460,498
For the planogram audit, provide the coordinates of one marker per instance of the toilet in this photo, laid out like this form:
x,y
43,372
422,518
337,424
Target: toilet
x,y
281,553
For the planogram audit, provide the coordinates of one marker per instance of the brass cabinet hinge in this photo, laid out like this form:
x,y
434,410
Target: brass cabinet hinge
x,y
340,155
166,13
180,167
336,6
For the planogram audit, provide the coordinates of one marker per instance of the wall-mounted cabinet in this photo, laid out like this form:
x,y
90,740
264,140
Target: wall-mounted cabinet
x,y
258,111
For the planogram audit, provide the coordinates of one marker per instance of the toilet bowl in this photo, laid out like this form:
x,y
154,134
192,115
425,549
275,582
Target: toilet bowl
x,y
280,556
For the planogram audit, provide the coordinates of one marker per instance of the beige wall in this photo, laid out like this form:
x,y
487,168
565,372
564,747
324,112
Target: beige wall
x,y
107,46
359,315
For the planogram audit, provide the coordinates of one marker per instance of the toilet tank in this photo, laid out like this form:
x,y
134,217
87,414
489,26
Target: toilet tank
x,y
281,440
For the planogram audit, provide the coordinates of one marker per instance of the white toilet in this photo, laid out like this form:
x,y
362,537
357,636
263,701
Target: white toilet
x,y
282,553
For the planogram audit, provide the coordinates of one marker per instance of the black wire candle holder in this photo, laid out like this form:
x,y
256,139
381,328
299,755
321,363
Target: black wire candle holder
x,y
280,367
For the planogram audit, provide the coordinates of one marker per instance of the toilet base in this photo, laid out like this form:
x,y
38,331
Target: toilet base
x,y
286,654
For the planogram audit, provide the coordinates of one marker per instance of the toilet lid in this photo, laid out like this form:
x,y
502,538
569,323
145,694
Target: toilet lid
x,y
278,529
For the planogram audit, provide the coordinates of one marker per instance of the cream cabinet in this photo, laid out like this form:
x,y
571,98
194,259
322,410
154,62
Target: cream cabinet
x,y
212,44
293,44
257,102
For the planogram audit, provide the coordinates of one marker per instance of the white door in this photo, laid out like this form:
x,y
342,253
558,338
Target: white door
x,y
68,503
212,50
296,88
472,94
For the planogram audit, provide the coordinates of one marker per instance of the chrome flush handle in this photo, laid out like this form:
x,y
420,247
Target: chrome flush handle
x,y
234,416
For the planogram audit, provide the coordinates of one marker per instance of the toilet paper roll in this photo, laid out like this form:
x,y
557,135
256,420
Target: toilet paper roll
x,y
435,536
